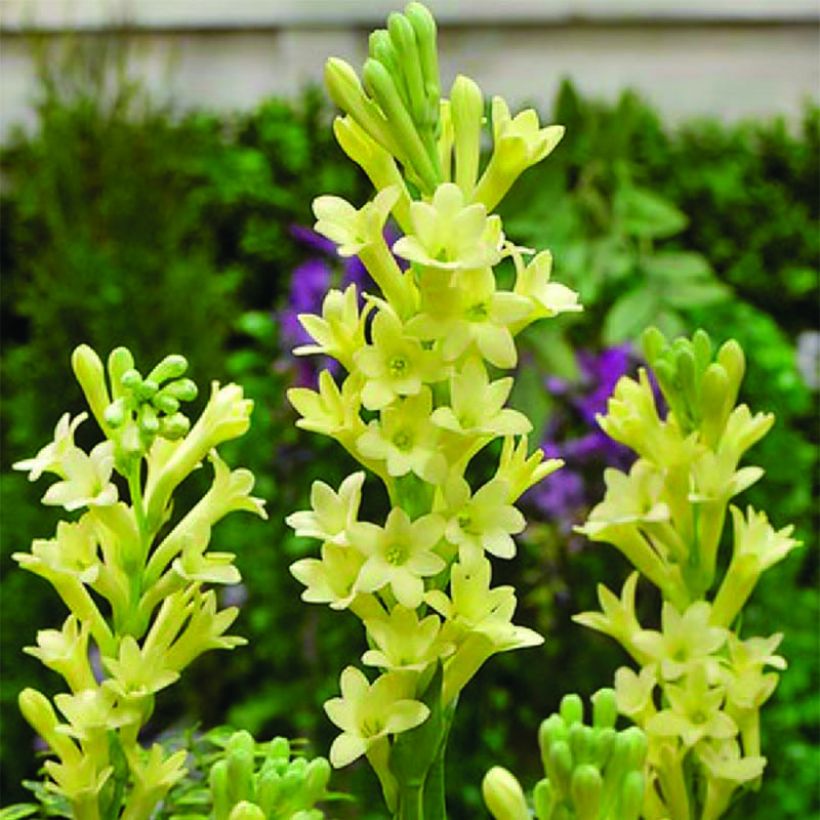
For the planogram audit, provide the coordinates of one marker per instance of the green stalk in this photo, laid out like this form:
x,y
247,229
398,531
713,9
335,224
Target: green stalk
x,y
411,802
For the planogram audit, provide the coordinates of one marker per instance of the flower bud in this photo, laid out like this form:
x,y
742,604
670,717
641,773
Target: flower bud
x,y
604,709
181,389
467,110
174,427
146,390
586,788
115,414
503,795
171,367
317,777
166,403
544,799
120,361
268,789
559,765
632,791
246,811
148,421
131,379
572,709
90,374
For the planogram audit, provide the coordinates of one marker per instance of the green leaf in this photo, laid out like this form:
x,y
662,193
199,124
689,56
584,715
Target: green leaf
x,y
645,215
695,294
629,315
19,811
676,265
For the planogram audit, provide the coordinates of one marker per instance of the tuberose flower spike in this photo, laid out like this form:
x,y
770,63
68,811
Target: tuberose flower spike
x,y
699,691
157,618
417,401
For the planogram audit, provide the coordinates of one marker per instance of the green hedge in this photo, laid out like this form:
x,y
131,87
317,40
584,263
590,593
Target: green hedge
x,y
126,223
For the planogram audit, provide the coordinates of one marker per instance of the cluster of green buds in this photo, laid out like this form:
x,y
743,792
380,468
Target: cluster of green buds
x,y
419,399
132,575
284,787
700,688
592,772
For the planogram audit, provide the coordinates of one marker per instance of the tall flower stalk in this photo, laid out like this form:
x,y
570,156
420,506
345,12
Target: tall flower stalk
x,y
132,571
420,395
700,686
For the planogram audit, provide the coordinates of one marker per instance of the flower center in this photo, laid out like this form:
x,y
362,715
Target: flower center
x,y
398,366
403,440
371,727
478,312
465,521
396,554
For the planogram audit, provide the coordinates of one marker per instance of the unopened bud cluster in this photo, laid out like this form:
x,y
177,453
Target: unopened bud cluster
x,y
283,787
593,772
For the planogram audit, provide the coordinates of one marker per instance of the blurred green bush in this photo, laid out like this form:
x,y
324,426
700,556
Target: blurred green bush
x,y
129,223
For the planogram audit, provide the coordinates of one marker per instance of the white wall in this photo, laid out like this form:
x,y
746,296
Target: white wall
x,y
727,58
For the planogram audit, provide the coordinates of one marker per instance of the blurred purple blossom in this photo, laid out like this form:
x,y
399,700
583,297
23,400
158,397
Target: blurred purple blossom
x,y
566,495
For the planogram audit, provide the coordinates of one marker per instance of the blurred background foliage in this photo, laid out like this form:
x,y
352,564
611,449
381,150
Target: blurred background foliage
x,y
129,223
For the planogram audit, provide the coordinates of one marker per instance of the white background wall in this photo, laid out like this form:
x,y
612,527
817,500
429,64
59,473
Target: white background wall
x,y
730,58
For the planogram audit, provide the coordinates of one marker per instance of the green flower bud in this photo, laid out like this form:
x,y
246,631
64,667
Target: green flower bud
x,y
240,770
467,110
171,367
544,799
581,742
90,374
174,427
586,789
572,709
131,379
120,361
268,790
130,441
403,39
702,349
653,343
604,743
219,781
632,792
165,403
279,747
503,795
380,47
381,86
246,811
731,358
559,765
181,389
147,390
148,421
604,709
317,777
115,414
424,27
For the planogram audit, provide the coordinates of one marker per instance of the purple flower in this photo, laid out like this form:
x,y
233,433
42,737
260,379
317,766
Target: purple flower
x,y
560,496
601,373
311,239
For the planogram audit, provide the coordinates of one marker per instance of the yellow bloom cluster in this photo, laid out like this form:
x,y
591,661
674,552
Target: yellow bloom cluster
x,y
156,618
700,687
420,396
